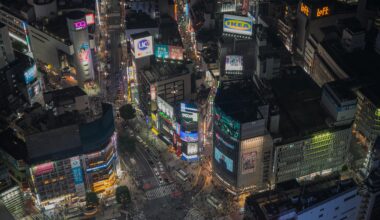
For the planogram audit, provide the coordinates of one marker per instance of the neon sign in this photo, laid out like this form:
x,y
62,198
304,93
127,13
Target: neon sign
x,y
321,12
305,9
79,25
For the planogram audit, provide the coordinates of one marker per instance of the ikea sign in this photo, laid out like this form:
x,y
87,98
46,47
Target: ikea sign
x,y
237,24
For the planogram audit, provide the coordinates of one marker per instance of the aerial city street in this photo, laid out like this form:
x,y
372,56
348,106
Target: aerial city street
x,y
190,109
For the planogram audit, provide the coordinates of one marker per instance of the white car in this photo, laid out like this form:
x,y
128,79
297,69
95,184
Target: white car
x,y
156,173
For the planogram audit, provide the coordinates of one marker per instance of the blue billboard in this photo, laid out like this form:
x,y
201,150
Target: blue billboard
x,y
189,136
224,160
78,176
30,75
161,51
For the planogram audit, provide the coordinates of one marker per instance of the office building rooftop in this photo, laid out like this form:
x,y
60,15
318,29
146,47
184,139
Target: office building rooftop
x,y
159,71
299,198
360,65
239,99
139,20
372,92
298,97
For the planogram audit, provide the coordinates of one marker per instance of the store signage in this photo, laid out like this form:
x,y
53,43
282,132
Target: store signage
x,y
324,11
305,9
30,74
143,47
237,24
79,25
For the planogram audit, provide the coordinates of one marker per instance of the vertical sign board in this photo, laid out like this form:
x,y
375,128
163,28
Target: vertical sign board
x,y
78,175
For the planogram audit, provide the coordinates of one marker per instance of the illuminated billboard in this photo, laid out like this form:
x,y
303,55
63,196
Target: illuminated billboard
x,y
43,168
161,51
237,25
143,47
31,74
175,53
192,148
189,136
226,124
315,12
223,160
248,162
84,57
234,63
165,107
79,25
189,112
220,140
90,19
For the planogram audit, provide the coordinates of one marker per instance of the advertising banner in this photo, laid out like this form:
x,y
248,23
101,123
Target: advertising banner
x,y
90,19
30,74
189,112
165,107
161,51
143,47
234,63
226,124
84,57
175,53
248,162
237,25
222,159
189,136
43,168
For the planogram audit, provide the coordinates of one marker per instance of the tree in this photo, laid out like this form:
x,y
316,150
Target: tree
x,y
127,112
126,143
123,195
92,199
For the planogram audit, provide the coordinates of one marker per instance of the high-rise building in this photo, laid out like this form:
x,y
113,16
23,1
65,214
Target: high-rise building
x,y
323,199
6,50
10,194
309,132
69,153
242,146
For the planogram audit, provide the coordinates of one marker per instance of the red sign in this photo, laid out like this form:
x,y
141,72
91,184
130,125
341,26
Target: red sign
x,y
43,168
175,53
90,19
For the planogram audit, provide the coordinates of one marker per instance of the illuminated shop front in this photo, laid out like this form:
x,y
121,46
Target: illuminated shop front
x,y
188,132
74,176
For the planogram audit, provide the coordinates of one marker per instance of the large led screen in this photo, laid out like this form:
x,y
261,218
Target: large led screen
x,y
226,124
30,74
43,168
175,53
234,63
143,47
223,160
161,51
189,136
237,24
